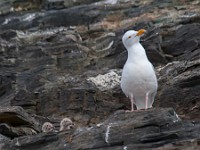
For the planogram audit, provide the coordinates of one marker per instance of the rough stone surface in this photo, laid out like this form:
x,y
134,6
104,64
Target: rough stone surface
x,y
149,129
63,58
15,122
180,82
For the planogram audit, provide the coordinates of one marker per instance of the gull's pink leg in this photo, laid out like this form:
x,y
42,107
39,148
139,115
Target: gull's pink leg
x,y
147,99
132,105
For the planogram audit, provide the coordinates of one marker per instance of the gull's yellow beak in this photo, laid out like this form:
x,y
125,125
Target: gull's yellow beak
x,y
140,32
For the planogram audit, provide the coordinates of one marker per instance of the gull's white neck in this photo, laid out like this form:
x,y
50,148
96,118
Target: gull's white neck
x,y
136,53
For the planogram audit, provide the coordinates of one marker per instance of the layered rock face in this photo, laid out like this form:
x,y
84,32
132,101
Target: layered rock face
x,y
64,59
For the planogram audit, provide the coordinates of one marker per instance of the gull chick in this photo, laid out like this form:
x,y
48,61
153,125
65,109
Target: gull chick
x,y
138,81
48,127
66,124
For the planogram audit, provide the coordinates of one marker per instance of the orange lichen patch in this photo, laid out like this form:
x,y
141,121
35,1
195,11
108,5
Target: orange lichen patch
x,y
69,139
110,25
29,5
117,20
113,17
114,22
98,26
144,17
82,28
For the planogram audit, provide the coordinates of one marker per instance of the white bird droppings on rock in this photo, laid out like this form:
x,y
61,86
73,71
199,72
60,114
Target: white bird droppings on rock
x,y
125,147
107,133
99,124
107,81
177,117
17,143
29,17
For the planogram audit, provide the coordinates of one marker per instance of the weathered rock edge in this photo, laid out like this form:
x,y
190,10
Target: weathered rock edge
x,y
151,129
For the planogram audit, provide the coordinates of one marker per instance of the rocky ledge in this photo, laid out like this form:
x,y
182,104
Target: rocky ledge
x,y
63,58
159,128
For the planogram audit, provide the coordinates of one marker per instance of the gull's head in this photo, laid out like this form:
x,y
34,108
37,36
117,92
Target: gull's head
x,y
131,37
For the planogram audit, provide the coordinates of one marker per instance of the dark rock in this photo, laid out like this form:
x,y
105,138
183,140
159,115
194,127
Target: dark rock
x,y
5,6
3,140
6,90
86,15
81,15
41,141
149,129
24,5
13,132
182,79
55,4
148,125
8,34
183,44
5,85
60,4
83,105
33,142
16,122
25,99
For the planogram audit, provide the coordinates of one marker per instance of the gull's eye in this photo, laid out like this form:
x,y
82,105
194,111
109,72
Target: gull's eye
x,y
129,37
